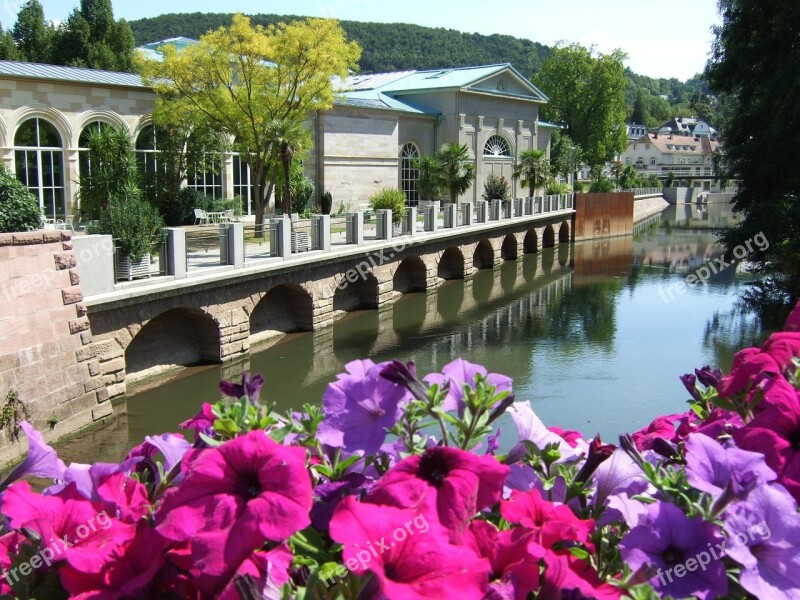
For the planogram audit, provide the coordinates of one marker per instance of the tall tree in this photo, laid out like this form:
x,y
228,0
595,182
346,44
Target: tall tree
x,y
565,155
32,34
239,79
532,170
8,51
288,138
641,110
753,68
587,98
455,171
92,38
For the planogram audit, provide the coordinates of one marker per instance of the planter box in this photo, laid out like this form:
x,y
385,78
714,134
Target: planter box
x,y
301,241
132,270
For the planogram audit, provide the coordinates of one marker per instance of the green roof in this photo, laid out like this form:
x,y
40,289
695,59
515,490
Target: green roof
x,y
71,74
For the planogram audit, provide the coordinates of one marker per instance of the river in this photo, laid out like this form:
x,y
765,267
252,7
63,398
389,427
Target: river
x,y
594,334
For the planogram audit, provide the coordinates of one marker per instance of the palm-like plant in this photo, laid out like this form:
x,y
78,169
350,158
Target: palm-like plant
x,y
288,139
532,169
455,171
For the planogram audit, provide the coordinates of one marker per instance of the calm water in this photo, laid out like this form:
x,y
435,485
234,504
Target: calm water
x,y
590,333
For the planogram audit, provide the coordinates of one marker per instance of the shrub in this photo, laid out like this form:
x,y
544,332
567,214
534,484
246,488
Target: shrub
x,y
495,188
555,188
392,199
602,185
302,190
19,209
326,203
134,223
179,210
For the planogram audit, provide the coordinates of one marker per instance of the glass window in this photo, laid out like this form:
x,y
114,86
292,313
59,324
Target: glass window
x,y
205,175
39,161
409,175
242,186
653,160
148,161
496,146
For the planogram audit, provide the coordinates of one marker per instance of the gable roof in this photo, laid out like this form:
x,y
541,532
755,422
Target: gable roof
x,y
679,144
379,101
24,70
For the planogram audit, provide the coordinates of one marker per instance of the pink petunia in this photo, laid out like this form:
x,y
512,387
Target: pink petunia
x,y
750,366
232,500
793,322
266,572
775,431
783,346
128,573
662,427
570,436
553,523
453,483
410,556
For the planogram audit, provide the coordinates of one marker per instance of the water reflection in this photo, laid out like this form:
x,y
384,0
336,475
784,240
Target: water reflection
x,y
581,329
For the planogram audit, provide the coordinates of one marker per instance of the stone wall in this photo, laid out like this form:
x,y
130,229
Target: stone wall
x,y
45,338
647,207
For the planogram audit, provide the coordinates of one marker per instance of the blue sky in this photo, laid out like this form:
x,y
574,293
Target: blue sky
x,y
662,38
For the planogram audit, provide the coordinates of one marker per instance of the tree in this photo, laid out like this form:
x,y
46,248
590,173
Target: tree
x,y
587,98
532,170
92,38
239,79
32,35
455,172
8,51
641,110
428,178
565,155
287,138
753,69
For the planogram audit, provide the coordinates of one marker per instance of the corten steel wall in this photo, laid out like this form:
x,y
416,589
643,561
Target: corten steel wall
x,y
603,215
597,260
45,338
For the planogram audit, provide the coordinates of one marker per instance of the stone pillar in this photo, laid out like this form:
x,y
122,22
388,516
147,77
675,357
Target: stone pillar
x,y
466,212
528,206
450,216
282,237
383,218
321,228
95,263
495,210
176,252
236,245
355,228
410,224
518,207
430,218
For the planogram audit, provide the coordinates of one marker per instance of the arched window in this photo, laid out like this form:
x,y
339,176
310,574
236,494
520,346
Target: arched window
x,y
204,173
148,161
242,186
497,146
39,162
84,165
409,175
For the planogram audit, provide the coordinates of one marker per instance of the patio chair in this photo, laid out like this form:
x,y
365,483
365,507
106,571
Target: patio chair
x,y
200,217
227,216
67,223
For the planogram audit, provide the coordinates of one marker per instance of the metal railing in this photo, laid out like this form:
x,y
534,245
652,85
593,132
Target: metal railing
x,y
257,241
303,238
152,264
205,249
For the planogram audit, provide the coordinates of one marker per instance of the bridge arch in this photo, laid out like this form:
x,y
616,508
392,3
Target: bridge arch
x,y
355,295
451,264
548,237
508,251
177,337
285,308
563,233
483,258
530,243
411,276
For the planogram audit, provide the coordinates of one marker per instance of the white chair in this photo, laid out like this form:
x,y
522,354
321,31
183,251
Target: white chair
x,y
227,216
200,217
67,223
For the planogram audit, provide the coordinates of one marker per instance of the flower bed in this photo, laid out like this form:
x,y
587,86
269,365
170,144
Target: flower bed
x,y
397,487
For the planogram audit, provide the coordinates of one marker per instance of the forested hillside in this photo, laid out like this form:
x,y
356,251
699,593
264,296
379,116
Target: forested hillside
x,y
397,46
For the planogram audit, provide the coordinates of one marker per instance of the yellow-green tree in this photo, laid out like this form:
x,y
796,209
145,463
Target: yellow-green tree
x,y
243,79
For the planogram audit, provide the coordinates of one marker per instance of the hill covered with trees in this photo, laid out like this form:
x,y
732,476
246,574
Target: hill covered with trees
x,y
400,46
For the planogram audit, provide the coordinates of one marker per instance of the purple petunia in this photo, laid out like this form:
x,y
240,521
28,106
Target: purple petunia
x,y
460,373
762,537
675,548
712,468
41,460
360,407
250,387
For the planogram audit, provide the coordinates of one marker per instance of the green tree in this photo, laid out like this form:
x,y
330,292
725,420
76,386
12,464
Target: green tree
x,y
753,68
92,38
565,155
240,78
641,109
8,51
532,170
587,98
288,138
455,172
428,178
32,35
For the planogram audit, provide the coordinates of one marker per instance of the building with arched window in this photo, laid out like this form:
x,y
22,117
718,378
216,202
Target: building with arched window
x,y
369,140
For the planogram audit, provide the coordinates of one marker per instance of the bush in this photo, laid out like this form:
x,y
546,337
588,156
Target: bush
x,y
392,199
302,190
134,223
602,185
495,188
179,210
19,209
554,188
326,203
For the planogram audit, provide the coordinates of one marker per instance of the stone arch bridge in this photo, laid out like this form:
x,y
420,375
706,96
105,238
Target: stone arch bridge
x,y
140,332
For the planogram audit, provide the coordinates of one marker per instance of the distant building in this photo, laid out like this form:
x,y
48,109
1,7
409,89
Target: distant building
x,y
635,131
688,126
690,159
